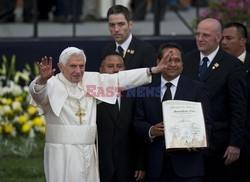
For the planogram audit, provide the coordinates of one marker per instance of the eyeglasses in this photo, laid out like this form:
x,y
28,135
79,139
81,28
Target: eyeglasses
x,y
202,35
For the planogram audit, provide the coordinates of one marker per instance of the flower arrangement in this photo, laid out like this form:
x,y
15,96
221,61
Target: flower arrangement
x,y
228,10
17,117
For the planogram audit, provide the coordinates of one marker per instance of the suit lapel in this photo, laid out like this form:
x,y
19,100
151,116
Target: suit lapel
x,y
247,64
122,105
214,66
156,101
130,52
181,89
196,65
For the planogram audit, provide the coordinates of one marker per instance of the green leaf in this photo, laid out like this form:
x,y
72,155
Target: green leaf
x,y
27,67
3,70
36,69
23,75
12,67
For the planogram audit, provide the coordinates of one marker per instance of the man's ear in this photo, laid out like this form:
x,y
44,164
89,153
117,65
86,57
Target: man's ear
x,y
243,42
218,37
59,65
130,23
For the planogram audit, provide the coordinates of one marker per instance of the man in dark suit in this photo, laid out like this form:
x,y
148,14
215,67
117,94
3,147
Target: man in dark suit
x,y
223,76
234,39
136,54
121,157
163,165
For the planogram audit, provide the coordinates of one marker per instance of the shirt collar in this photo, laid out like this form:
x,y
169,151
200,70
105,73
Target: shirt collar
x,y
125,44
174,81
210,56
242,57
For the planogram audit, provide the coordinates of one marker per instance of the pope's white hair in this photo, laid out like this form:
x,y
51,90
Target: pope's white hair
x,y
69,52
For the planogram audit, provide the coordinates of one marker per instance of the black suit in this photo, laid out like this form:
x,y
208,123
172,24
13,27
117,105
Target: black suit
x,y
225,82
142,55
120,151
149,113
242,167
247,133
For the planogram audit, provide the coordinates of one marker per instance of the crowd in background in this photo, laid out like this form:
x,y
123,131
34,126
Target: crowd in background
x,y
85,10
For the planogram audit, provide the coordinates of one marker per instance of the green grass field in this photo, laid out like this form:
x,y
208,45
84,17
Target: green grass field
x,y
14,168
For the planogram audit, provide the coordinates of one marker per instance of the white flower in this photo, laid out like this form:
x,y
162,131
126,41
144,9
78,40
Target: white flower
x,y
4,100
26,88
5,90
6,109
15,89
16,105
31,133
13,133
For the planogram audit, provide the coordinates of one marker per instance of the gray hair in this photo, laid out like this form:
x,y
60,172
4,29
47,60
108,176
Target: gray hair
x,y
69,52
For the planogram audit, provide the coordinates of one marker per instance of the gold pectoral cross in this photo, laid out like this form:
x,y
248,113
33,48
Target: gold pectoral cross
x,y
80,113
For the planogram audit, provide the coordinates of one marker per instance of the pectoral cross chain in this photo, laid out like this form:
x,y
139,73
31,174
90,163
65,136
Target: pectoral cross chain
x,y
80,113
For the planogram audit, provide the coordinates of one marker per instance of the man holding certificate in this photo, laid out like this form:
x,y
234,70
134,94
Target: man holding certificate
x,y
185,164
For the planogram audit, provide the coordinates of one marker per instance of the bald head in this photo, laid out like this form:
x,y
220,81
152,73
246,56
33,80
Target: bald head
x,y
211,23
208,35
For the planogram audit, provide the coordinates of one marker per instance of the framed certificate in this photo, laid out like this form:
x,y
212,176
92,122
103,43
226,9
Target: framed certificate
x,y
184,124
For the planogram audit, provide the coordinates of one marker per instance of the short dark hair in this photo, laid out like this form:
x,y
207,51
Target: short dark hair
x,y
168,45
241,29
119,9
110,53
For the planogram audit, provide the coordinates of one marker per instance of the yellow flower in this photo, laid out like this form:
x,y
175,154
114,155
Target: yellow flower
x,y
43,130
8,101
25,128
19,99
17,108
23,119
37,121
31,110
8,128
10,113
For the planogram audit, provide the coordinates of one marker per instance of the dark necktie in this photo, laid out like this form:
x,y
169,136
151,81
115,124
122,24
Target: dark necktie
x,y
167,94
120,49
203,67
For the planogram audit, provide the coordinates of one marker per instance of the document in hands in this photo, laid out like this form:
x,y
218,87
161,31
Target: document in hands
x,y
184,124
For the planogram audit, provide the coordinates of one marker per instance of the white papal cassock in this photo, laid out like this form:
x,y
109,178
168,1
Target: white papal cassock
x,y
70,153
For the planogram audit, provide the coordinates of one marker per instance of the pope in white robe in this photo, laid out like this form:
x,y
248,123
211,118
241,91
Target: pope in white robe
x,y
68,101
